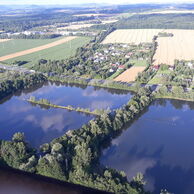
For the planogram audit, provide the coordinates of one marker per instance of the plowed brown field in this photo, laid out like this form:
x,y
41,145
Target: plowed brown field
x,y
130,74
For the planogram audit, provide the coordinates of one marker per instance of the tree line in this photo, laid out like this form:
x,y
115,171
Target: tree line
x,y
8,86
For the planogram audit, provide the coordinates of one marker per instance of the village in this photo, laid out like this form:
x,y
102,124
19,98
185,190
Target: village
x,y
119,57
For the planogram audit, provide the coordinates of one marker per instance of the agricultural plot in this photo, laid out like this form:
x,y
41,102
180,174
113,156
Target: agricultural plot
x,y
36,49
4,40
60,51
180,46
131,36
138,62
18,45
130,74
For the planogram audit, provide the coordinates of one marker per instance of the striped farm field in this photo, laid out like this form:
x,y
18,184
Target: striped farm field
x,y
180,46
131,36
130,74
34,50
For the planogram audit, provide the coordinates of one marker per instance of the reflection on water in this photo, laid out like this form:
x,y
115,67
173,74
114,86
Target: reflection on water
x,y
160,145
41,125
82,96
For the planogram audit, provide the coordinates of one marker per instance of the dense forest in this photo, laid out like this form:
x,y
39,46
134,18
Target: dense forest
x,y
26,22
161,21
19,82
154,21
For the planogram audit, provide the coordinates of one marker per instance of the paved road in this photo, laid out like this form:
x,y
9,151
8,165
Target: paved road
x,y
16,68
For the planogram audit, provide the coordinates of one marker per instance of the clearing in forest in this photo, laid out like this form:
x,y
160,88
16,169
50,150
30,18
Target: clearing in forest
x,y
130,74
36,49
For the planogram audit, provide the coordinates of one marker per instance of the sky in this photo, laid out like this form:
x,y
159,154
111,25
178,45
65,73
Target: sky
x,y
11,2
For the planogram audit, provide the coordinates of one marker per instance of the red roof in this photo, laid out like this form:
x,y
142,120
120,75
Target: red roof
x,y
121,66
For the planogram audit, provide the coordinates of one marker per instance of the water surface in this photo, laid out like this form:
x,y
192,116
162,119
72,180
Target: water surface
x,y
160,144
41,125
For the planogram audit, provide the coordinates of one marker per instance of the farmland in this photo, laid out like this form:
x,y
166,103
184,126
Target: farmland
x,y
131,36
4,40
130,74
60,51
180,46
18,45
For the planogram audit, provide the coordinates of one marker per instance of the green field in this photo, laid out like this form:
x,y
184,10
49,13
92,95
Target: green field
x,y
138,62
158,79
62,51
17,45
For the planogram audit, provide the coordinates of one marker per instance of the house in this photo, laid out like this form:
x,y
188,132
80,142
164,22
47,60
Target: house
x,y
121,67
114,65
171,68
111,70
128,55
189,64
156,67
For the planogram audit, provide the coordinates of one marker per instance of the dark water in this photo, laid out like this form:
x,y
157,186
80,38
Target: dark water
x,y
160,144
41,125
16,182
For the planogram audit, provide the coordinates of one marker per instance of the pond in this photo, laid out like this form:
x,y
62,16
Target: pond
x,y
41,125
159,144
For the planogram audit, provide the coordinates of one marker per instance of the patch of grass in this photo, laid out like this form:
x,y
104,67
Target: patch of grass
x,y
159,77
114,75
17,45
138,63
62,51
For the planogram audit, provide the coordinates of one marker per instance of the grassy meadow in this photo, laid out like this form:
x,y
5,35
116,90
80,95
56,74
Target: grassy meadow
x,y
62,51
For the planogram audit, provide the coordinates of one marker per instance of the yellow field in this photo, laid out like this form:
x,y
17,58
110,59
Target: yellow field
x,y
131,36
130,74
180,46
36,49
4,40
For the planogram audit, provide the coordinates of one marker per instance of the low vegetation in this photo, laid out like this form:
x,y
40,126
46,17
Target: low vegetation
x,y
45,102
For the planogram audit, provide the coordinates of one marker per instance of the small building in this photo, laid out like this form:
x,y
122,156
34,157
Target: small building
x,y
121,67
156,67
189,64
114,65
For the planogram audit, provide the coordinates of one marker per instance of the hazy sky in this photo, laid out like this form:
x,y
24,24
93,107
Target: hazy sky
x,y
87,1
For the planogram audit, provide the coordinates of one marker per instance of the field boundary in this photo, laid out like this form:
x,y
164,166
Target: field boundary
x,y
36,49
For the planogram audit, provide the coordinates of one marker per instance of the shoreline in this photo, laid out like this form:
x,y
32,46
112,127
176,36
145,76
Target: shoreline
x,y
64,107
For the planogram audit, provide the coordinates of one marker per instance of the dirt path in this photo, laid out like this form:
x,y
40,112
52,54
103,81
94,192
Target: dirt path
x,y
36,49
